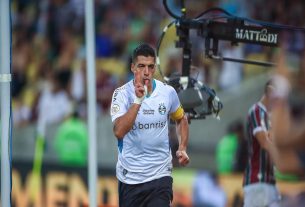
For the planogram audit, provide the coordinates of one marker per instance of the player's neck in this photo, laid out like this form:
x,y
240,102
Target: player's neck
x,y
265,102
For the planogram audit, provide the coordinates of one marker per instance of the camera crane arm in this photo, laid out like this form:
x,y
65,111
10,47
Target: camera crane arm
x,y
231,28
198,99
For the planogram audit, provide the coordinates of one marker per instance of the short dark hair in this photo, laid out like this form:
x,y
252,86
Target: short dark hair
x,y
143,49
267,85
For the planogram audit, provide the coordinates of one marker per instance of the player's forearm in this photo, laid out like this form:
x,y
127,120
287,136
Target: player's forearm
x,y
295,137
184,133
286,161
287,133
280,123
124,123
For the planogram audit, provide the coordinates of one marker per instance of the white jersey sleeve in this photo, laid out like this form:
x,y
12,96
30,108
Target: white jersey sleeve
x,y
173,97
176,111
118,103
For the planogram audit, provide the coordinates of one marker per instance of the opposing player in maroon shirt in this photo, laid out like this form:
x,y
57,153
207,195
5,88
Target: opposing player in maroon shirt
x,y
259,181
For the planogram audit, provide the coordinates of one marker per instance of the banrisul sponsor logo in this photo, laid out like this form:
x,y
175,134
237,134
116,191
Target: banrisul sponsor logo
x,y
162,108
152,125
256,35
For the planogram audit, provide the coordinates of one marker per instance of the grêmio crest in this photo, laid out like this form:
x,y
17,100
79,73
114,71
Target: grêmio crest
x,y
162,109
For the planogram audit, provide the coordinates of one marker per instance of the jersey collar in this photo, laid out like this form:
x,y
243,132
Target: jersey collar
x,y
153,88
262,106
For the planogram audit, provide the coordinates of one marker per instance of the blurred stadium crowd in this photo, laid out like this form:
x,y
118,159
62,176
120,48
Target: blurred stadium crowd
x,y
49,68
49,52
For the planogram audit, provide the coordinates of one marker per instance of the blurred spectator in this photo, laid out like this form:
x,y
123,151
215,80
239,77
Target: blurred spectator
x,y
225,152
54,104
104,42
138,28
207,191
21,113
242,150
236,7
78,81
105,85
231,72
21,61
67,51
63,14
231,151
71,142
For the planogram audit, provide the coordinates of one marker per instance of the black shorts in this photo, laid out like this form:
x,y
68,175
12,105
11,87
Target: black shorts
x,y
156,193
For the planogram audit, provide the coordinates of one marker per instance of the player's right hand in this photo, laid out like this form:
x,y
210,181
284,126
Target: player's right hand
x,y
139,86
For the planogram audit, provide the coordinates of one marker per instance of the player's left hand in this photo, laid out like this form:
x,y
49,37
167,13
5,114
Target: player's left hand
x,y
183,158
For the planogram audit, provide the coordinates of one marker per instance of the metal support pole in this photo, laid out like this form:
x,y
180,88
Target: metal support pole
x,y
91,98
5,90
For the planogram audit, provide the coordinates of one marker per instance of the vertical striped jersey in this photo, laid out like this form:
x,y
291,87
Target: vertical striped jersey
x,y
144,153
259,165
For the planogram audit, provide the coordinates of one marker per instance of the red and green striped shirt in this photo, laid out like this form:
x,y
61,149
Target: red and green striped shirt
x,y
259,166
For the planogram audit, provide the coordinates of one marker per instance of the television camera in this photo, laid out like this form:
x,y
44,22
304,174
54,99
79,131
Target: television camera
x,y
197,99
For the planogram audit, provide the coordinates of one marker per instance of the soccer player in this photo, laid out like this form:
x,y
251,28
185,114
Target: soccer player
x,y
140,112
259,181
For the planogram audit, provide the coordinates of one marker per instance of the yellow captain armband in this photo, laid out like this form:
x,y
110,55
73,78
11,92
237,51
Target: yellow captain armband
x,y
178,114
